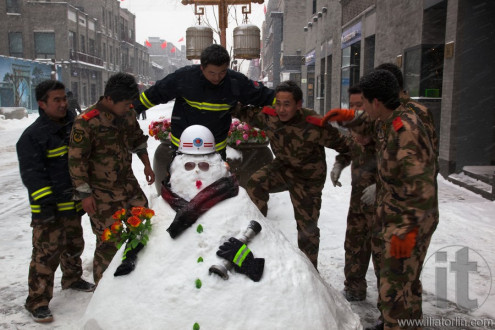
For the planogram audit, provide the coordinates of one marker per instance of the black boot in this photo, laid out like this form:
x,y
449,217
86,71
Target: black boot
x,y
129,263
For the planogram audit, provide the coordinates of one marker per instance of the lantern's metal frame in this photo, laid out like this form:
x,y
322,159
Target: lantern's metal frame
x,y
222,12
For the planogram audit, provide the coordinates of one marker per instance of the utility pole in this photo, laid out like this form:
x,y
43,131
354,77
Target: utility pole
x,y
222,12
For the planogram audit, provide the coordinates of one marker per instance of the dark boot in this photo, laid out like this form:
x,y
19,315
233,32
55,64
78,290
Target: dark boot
x,y
129,263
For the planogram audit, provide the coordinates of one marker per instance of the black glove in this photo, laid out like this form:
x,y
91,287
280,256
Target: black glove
x,y
46,215
244,262
129,263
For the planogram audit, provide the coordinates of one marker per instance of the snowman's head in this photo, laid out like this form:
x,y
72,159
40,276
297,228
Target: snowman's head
x,y
198,164
189,174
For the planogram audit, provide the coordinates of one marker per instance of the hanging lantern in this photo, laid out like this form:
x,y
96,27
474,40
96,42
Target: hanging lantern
x,y
247,42
197,38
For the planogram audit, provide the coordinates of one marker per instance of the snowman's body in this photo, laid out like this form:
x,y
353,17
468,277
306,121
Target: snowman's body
x,y
162,292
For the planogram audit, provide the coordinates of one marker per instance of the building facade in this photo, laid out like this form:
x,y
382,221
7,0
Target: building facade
x,y
88,39
444,48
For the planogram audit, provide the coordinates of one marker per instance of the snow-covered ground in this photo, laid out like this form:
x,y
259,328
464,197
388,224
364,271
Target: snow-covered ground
x,y
458,267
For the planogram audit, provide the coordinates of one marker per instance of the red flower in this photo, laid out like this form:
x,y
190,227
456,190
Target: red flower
x,y
119,215
148,213
107,234
137,211
116,227
134,221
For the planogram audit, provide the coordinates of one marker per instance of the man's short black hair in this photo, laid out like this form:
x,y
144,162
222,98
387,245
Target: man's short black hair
x,y
121,86
354,90
395,70
47,86
291,87
381,85
214,54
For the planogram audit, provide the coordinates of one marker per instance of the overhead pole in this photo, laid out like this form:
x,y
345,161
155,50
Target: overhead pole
x,y
222,12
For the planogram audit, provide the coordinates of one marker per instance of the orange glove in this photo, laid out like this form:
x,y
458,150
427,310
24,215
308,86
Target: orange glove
x,y
402,248
317,121
339,115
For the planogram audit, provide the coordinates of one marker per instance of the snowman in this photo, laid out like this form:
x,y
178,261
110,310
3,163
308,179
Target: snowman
x,y
202,223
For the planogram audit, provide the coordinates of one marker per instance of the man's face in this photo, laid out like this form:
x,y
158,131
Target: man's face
x,y
215,74
285,106
119,108
356,101
370,108
55,105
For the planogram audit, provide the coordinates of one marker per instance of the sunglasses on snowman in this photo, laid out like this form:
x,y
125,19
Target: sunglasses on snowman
x,y
203,166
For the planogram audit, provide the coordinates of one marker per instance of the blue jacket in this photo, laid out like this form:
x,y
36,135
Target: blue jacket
x,y
42,151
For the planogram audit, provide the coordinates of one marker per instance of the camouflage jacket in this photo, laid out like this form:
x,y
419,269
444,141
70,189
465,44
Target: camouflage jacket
x,y
426,117
363,163
298,146
406,189
100,151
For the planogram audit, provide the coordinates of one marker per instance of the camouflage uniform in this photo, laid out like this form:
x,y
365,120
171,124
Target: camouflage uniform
x,y
424,114
299,167
406,199
359,218
56,218
100,165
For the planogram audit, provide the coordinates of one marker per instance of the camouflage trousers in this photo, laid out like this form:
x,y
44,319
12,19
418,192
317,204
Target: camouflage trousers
x,y
56,243
306,202
400,290
358,245
105,208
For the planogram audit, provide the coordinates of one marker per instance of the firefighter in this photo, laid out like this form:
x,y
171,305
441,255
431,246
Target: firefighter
x,y
56,217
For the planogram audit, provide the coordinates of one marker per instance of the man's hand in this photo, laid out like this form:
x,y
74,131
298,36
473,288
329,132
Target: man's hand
x,y
402,248
89,205
369,195
149,174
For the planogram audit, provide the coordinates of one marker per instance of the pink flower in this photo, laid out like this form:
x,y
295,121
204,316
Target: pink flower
x,y
237,142
245,136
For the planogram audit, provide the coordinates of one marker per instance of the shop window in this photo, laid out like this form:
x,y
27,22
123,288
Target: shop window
x,y
369,54
423,70
15,44
44,44
351,61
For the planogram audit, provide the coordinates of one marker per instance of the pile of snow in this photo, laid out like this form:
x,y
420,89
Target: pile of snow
x,y
171,287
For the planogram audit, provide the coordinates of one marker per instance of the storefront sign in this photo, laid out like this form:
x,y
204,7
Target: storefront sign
x,y
310,58
351,35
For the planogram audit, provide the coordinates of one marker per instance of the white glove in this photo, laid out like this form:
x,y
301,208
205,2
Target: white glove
x,y
335,174
369,194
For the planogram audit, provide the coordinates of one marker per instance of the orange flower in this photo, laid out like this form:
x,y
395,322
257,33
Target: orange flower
x,y
134,221
107,234
148,213
137,211
116,227
119,215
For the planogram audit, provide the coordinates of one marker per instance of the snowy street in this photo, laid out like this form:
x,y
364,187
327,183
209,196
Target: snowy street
x,y
459,268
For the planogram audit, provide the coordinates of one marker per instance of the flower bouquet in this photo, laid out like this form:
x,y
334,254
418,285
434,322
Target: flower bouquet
x,y
133,229
160,129
241,132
